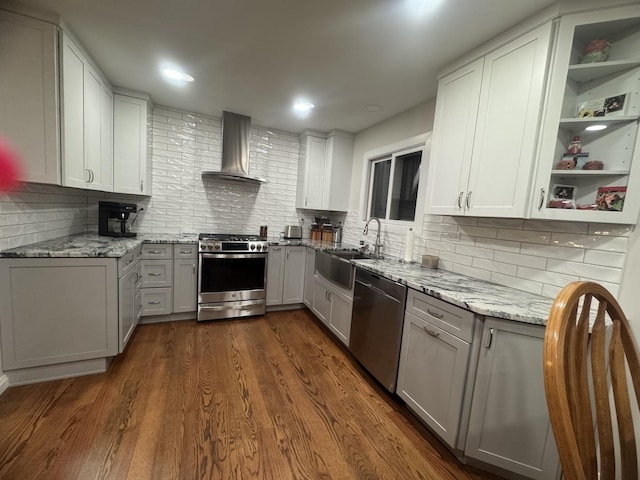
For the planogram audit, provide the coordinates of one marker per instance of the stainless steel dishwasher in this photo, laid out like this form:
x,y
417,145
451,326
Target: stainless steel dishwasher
x,y
376,325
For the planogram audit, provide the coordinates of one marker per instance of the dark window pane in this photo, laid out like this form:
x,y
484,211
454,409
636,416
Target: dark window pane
x,y
380,188
404,193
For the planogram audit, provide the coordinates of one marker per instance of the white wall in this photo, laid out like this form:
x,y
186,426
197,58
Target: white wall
x,y
409,123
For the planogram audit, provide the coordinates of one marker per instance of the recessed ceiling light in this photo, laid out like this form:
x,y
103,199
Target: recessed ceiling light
x,y
595,128
173,74
303,106
374,108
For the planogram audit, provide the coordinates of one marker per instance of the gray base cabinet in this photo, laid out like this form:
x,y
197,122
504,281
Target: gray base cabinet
x,y
434,361
432,374
333,306
129,308
285,275
309,276
57,310
185,278
509,422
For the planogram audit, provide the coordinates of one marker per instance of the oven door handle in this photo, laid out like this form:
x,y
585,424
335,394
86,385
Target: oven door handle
x,y
233,255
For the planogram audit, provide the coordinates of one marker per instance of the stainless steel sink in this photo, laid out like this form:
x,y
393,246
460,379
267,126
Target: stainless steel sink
x,y
335,266
350,254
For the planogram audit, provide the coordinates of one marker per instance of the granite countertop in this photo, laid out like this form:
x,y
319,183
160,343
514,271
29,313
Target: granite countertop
x,y
91,245
478,296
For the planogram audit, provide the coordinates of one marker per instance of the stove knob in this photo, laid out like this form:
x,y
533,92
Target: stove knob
x,y
264,247
252,246
259,247
216,246
209,246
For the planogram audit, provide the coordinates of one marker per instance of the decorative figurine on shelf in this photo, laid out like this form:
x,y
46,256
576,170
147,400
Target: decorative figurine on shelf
x,y
596,51
575,146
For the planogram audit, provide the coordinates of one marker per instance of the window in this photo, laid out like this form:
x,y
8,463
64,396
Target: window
x,y
393,185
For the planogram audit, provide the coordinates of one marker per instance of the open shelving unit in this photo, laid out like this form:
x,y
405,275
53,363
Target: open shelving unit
x,y
572,86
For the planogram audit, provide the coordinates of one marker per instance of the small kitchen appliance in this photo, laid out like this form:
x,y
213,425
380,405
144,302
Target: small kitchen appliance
x,y
292,232
114,219
232,271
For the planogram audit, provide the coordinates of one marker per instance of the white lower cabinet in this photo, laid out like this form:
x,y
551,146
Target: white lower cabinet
x,y
185,277
432,374
128,283
434,362
509,422
309,276
285,275
333,306
157,279
57,310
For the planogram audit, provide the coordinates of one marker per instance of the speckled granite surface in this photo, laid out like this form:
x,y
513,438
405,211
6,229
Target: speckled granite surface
x,y
91,245
480,297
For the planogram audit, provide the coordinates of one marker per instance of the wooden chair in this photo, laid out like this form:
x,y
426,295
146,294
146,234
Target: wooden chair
x,y
576,394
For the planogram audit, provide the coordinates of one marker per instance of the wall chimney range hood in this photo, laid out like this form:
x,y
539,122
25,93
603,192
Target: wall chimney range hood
x,y
235,150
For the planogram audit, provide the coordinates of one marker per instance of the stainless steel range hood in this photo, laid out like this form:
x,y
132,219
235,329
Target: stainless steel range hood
x,y
235,150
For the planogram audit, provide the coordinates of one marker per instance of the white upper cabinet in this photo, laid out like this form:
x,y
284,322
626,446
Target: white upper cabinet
x,y
486,128
131,169
585,94
87,137
324,172
29,94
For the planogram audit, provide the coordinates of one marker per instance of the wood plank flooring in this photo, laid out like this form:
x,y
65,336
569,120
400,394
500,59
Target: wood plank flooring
x,y
270,397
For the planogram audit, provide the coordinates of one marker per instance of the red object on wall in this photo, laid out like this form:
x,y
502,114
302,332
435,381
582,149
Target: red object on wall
x,y
10,168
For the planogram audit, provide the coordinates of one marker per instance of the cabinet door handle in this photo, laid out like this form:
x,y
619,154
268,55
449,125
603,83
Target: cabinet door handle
x,y
541,198
157,302
154,274
194,268
287,254
305,201
460,199
434,314
433,333
142,185
468,200
490,339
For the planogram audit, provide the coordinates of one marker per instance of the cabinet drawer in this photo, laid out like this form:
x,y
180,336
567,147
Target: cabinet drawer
x,y
157,273
454,320
157,250
156,301
125,263
185,250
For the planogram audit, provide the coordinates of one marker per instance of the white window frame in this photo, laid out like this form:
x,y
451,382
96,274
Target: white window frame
x,y
386,152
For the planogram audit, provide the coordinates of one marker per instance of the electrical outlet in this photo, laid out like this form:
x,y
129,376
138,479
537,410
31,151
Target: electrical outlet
x,y
455,236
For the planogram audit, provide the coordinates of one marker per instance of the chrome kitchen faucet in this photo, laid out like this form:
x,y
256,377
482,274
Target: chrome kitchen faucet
x,y
378,245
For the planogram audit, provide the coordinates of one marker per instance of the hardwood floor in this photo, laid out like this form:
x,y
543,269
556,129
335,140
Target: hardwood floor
x,y
271,397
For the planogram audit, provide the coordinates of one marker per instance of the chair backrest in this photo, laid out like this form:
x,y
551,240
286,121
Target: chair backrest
x,y
588,342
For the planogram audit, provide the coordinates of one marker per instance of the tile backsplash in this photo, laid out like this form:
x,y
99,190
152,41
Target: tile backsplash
x,y
41,212
535,256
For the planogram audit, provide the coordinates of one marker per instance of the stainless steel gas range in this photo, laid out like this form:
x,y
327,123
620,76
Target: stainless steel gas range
x,y
232,276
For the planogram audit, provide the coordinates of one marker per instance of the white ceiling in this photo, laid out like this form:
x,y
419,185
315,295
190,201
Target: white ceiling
x,y
255,57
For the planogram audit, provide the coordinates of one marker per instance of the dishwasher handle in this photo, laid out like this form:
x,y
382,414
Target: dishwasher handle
x,y
377,290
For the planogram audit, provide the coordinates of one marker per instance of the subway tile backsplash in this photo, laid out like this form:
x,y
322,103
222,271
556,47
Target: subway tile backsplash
x,y
535,256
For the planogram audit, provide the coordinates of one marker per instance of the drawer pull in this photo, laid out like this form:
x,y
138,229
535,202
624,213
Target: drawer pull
x,y
433,333
157,302
186,252
435,314
154,274
155,252
490,339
